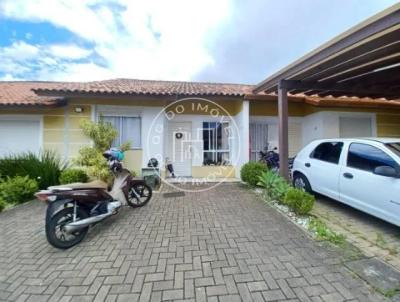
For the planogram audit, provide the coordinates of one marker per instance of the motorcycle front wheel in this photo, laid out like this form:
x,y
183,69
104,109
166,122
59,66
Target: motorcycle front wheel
x,y
55,232
139,194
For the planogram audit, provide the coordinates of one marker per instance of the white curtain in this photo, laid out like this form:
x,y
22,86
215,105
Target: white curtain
x,y
128,128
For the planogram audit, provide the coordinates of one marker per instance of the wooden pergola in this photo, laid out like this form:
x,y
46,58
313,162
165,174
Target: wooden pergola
x,y
362,62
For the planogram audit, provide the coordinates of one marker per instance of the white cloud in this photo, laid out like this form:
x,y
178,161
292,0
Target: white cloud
x,y
76,72
155,39
68,51
19,51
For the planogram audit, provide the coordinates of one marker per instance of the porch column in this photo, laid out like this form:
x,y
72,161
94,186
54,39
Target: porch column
x,y
242,142
283,131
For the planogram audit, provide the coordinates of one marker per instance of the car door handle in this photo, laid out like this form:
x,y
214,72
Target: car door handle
x,y
348,175
308,165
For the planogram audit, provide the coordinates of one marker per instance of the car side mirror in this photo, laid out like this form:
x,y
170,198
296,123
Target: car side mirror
x,y
386,171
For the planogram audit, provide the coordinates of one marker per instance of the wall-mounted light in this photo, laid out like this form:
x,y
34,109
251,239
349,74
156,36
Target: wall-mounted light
x,y
78,109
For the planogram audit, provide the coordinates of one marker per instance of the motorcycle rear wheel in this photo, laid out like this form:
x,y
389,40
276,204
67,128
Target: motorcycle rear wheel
x,y
55,234
139,195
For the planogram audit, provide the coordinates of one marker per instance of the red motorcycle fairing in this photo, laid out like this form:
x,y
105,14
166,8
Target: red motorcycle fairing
x,y
89,195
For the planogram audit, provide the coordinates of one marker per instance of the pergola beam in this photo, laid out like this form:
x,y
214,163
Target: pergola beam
x,y
346,88
368,30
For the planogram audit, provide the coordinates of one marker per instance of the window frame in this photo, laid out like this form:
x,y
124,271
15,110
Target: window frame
x,y
119,115
216,150
311,155
396,167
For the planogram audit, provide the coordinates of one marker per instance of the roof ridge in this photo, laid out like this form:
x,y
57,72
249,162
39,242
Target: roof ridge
x,y
174,81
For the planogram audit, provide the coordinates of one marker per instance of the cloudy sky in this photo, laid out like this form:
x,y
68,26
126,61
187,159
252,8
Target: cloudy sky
x,y
239,41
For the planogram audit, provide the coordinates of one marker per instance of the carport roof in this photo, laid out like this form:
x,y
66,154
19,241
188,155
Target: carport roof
x,y
362,62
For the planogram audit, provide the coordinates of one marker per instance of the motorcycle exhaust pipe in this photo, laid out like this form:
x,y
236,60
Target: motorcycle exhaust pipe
x,y
81,224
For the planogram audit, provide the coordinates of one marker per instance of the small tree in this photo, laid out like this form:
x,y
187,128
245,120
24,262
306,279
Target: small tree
x,y
91,158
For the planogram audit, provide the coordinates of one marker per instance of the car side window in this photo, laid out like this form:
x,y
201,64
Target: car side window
x,y
366,157
329,152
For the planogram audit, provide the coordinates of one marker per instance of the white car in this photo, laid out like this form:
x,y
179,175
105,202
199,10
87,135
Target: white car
x,y
363,173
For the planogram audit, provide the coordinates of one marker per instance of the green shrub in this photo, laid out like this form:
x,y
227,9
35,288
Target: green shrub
x,y
91,158
73,175
17,189
275,186
45,168
2,205
299,201
251,171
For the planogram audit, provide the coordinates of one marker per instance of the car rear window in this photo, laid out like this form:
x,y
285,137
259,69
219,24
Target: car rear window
x,y
366,157
329,152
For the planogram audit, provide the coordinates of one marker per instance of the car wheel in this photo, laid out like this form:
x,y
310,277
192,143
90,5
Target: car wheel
x,y
301,182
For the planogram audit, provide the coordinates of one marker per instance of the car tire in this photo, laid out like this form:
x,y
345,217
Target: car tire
x,y
301,182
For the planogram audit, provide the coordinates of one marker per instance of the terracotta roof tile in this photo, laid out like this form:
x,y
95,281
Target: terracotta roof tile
x,y
149,87
21,94
52,93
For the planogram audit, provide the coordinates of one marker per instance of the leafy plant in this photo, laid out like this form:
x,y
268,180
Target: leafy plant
x,y
90,158
324,233
275,186
299,201
380,240
251,171
73,175
45,167
2,205
17,189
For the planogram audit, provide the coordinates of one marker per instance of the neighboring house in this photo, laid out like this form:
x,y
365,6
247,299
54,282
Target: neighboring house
x,y
46,115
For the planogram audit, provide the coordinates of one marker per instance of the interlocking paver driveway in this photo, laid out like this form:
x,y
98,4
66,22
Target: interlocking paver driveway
x,y
219,245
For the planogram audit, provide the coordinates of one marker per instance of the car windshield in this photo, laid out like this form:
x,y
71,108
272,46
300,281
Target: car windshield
x,y
395,147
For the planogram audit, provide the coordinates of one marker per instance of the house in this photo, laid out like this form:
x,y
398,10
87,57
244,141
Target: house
x,y
204,129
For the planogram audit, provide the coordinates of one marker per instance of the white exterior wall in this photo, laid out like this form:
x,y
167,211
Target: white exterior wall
x,y
152,125
326,124
197,136
241,148
153,134
303,130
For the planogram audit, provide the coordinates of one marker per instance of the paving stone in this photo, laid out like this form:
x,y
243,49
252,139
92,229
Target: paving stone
x,y
257,286
216,290
219,245
230,298
273,295
172,294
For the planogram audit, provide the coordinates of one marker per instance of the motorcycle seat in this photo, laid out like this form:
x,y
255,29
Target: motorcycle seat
x,y
96,184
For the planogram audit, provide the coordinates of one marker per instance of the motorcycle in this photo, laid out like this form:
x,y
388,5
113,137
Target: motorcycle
x,y
73,208
271,159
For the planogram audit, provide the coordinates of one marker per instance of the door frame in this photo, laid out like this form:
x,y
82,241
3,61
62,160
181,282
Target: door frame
x,y
169,146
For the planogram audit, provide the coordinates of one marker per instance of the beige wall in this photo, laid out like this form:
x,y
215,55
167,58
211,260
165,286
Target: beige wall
x,y
61,130
388,124
133,160
387,120
217,106
213,171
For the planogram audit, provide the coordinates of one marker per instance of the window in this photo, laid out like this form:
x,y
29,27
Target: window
x,y
329,152
216,143
258,140
366,157
129,129
395,147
